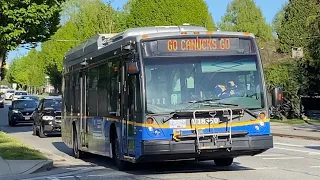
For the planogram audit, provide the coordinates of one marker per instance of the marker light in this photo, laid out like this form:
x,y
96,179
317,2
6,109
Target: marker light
x,y
246,33
144,36
184,33
196,32
150,120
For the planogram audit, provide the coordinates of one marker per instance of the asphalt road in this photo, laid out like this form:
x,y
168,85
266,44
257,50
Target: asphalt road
x,y
290,159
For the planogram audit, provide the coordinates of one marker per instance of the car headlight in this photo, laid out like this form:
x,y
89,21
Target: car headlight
x,y
47,118
16,111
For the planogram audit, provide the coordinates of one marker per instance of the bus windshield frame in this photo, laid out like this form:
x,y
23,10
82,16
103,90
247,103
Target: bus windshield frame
x,y
214,66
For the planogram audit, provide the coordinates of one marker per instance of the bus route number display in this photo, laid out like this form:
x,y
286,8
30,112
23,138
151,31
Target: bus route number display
x,y
207,44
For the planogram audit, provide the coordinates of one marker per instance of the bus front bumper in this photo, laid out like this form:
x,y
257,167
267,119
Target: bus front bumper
x,y
172,150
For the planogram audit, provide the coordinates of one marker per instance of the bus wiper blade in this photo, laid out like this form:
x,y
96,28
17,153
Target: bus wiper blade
x,y
164,120
245,109
192,103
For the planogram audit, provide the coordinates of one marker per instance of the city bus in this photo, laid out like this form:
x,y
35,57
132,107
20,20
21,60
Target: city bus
x,y
166,93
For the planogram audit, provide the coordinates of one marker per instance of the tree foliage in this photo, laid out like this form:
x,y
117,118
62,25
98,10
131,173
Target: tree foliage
x,y
245,16
27,21
168,12
294,30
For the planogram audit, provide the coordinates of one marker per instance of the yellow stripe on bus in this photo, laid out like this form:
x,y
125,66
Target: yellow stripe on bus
x,y
234,124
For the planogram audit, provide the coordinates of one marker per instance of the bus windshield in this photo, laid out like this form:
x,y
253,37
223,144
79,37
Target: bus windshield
x,y
173,82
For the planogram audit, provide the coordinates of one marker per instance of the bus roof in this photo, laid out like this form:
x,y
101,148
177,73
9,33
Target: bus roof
x,y
100,41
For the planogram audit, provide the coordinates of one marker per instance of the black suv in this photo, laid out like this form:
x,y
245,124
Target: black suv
x,y
47,117
21,111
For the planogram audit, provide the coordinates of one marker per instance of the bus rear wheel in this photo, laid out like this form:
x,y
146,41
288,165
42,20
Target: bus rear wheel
x,y
223,161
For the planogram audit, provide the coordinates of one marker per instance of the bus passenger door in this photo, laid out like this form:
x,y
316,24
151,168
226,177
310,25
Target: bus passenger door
x,y
127,111
130,110
83,109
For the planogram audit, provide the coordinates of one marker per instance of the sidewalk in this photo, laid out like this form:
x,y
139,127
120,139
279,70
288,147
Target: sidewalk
x,y
16,167
306,131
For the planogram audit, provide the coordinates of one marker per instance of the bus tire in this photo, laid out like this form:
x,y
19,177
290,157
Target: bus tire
x,y
223,161
121,165
75,143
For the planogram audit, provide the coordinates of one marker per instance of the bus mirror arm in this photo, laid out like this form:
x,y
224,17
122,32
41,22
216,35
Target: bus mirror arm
x,y
132,68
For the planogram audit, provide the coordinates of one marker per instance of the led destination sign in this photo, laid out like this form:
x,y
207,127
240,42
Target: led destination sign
x,y
202,44
167,47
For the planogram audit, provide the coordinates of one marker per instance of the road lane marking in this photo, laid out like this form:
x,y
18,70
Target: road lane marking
x,y
315,166
279,158
268,155
296,150
294,145
266,168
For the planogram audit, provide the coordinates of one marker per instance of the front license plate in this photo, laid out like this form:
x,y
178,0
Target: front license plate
x,y
27,117
178,123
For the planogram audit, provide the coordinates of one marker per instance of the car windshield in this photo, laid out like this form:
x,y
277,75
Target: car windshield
x,y
20,93
171,83
24,104
55,104
30,97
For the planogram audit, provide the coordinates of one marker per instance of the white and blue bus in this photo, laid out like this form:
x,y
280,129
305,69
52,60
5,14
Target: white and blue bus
x,y
166,93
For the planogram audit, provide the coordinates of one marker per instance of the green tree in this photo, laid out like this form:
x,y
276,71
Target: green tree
x,y
26,21
245,16
278,18
294,30
169,12
85,20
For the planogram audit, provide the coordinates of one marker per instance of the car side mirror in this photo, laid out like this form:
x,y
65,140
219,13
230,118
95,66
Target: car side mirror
x,y
277,97
10,107
36,110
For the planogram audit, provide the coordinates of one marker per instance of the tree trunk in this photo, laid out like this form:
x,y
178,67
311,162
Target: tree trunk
x,y
3,54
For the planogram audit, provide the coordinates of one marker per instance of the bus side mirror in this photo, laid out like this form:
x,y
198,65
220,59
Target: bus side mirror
x,y
132,68
277,97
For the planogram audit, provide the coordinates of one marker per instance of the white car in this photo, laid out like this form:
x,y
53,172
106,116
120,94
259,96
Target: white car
x,y
19,94
8,94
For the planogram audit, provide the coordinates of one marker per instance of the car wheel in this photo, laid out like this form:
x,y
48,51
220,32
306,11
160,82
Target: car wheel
x,y
41,132
223,161
34,130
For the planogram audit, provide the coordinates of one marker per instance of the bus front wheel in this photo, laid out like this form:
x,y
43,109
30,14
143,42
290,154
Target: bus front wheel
x,y
76,152
223,161
121,165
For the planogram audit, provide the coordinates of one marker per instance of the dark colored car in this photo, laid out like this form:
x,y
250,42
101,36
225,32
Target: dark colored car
x,y
47,117
21,111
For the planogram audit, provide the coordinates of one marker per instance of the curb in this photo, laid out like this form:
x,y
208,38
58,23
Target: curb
x,y
45,166
296,136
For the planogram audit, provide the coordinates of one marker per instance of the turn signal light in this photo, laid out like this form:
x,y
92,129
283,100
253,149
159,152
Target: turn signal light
x,y
262,115
150,120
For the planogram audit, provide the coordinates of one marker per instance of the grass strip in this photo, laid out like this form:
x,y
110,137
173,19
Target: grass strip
x,y
12,149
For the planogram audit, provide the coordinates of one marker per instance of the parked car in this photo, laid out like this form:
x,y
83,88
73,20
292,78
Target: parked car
x,y
35,98
47,117
21,111
18,94
1,100
9,94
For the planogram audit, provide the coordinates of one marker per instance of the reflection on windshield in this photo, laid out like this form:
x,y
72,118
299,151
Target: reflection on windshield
x,y
20,93
171,82
53,104
24,104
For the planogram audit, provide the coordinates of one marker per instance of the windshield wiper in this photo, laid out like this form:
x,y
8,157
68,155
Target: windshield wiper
x,y
245,109
191,103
